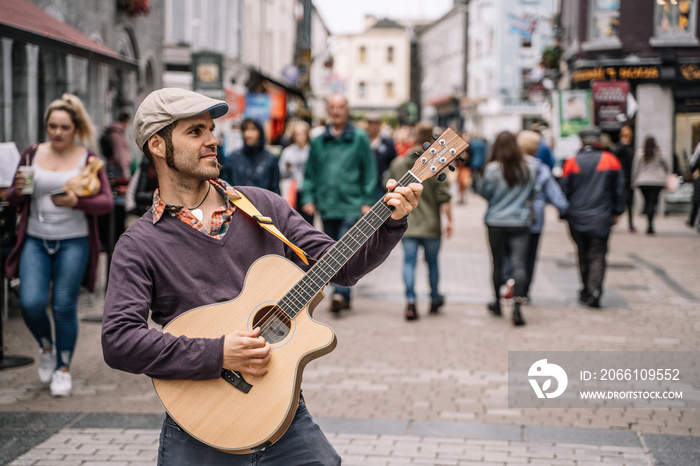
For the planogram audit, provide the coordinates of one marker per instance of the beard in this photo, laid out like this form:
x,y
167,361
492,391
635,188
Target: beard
x,y
187,167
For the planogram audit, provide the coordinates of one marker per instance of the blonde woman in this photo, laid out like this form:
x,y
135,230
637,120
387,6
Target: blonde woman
x,y
57,236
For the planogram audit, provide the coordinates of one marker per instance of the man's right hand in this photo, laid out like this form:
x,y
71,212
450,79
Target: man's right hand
x,y
246,352
309,209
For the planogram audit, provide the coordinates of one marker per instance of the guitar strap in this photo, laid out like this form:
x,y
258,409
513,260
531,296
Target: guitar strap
x,y
249,209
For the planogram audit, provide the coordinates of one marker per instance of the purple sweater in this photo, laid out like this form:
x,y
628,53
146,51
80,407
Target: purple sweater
x,y
171,268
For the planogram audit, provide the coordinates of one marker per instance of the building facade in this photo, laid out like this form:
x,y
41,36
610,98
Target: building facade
x,y
242,51
442,54
372,68
651,48
105,53
506,39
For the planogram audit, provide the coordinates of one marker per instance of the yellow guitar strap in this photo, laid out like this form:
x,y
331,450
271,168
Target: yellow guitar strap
x,y
249,209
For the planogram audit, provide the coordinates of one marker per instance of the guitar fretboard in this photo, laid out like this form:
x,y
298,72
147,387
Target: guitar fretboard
x,y
332,261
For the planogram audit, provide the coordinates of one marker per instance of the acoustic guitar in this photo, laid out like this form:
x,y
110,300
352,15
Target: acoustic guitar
x,y
238,414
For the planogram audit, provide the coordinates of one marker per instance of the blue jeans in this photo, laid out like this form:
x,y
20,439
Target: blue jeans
x,y
303,443
63,262
431,248
336,228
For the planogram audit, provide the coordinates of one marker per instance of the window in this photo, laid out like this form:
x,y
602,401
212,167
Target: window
x,y
389,90
604,20
362,89
674,22
177,29
390,54
363,54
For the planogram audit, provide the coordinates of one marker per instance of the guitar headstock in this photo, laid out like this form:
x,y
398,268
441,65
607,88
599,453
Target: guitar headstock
x,y
447,147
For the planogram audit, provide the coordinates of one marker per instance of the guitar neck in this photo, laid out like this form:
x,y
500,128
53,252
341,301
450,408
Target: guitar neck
x,y
332,261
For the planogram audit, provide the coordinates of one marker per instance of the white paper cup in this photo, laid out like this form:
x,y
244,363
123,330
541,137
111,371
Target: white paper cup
x,y
28,171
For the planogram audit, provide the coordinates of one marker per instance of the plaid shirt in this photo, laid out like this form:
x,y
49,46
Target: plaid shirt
x,y
220,220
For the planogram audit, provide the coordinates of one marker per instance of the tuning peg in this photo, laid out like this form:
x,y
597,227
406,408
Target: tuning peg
x,y
461,159
435,137
426,145
451,168
441,177
416,153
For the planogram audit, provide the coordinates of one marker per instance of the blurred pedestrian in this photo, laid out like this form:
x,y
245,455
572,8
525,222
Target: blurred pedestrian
x,y
403,140
649,173
508,183
116,150
139,195
548,192
424,227
595,186
694,171
544,153
57,242
177,258
292,164
464,173
252,164
476,152
624,151
382,149
340,180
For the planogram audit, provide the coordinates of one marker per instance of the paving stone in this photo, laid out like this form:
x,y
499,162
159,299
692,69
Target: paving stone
x,y
430,387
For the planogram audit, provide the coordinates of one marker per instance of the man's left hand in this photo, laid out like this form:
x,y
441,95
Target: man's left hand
x,y
403,199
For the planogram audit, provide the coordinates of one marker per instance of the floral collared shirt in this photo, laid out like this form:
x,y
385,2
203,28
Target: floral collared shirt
x,y
220,220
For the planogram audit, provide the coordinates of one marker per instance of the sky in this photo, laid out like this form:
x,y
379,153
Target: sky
x,y
347,16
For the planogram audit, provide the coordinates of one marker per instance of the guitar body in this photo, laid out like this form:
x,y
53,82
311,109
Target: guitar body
x,y
221,415
242,415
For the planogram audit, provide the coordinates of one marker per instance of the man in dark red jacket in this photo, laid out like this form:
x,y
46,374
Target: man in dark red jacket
x,y
595,186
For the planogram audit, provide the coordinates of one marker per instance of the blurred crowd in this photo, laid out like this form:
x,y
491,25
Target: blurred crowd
x,y
332,173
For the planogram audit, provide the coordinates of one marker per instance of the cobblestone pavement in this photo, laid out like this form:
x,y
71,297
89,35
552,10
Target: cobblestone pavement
x,y
433,391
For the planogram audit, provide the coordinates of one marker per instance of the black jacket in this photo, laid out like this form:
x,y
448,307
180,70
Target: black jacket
x,y
595,186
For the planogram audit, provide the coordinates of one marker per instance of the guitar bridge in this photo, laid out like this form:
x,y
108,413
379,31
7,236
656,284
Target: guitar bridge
x,y
236,379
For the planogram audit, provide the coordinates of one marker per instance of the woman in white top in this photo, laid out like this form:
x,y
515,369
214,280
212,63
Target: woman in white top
x,y
292,164
57,237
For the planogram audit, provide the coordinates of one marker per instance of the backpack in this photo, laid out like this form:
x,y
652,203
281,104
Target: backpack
x,y
106,145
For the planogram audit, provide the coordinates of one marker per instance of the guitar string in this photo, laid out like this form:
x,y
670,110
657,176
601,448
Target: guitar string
x,y
293,294
296,296
298,289
278,310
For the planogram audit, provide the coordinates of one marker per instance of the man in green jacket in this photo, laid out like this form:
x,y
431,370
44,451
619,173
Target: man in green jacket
x,y
339,179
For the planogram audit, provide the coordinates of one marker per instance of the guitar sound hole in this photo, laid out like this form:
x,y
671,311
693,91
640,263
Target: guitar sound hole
x,y
273,322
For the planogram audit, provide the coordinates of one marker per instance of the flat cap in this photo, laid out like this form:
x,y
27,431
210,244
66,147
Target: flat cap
x,y
167,105
590,132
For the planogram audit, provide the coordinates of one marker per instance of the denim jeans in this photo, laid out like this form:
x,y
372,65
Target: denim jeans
x,y
336,228
431,248
533,244
517,238
63,262
303,443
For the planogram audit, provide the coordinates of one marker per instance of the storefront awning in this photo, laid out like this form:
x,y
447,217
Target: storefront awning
x,y
23,21
256,77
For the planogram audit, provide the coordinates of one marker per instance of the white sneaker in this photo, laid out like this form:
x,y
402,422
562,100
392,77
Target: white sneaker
x,y
61,384
47,364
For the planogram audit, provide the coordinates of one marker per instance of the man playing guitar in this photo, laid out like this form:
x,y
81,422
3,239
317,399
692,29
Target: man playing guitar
x,y
177,258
